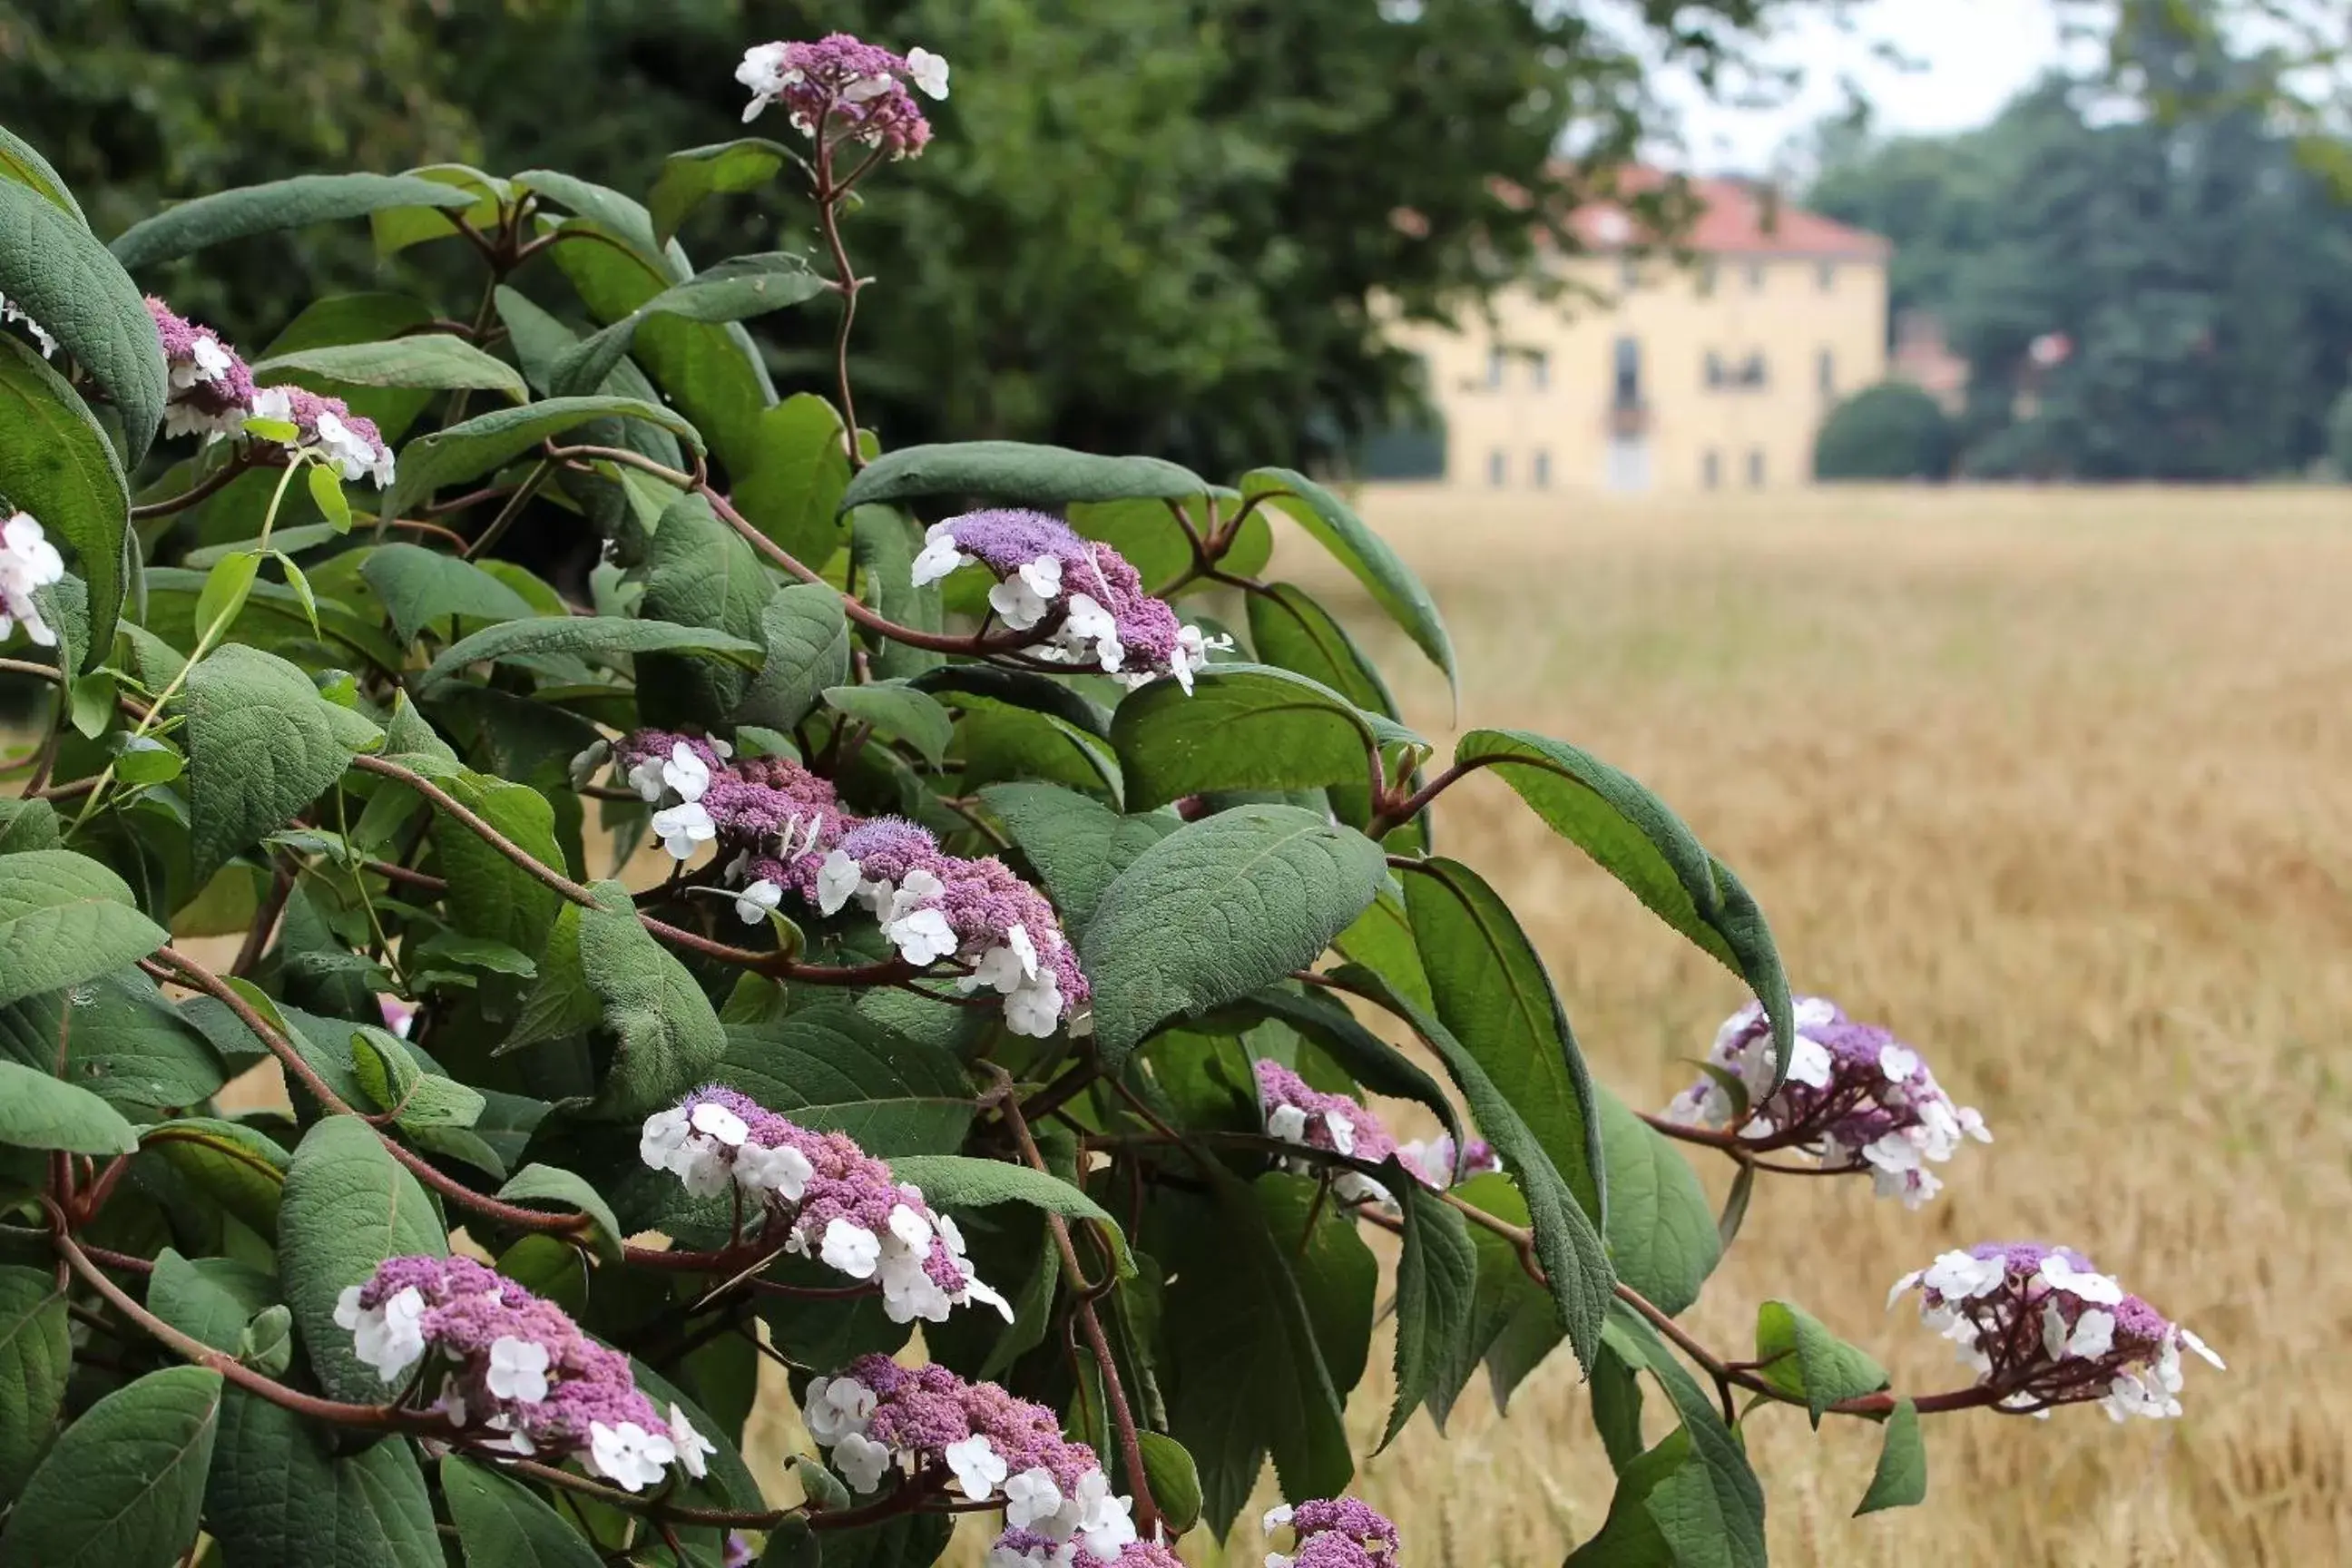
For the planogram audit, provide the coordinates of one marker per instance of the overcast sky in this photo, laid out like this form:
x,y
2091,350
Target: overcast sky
x,y
1975,54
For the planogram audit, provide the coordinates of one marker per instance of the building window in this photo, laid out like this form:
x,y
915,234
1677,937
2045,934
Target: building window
x,y
1541,469
1540,370
1826,275
1626,374
1715,372
1710,468
1756,278
1498,361
1707,277
1825,373
1629,274
1498,468
1752,373
1756,467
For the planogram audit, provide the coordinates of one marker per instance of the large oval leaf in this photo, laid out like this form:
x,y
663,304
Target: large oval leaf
x,y
1019,474
502,1523
1661,1234
737,290
827,1066
1242,727
21,162
281,204
587,635
124,1484
348,1206
435,360
35,1356
53,268
478,445
1078,845
37,1111
1638,840
1217,909
1384,576
64,919
282,1495
262,744
123,1042
58,465
418,586
1491,990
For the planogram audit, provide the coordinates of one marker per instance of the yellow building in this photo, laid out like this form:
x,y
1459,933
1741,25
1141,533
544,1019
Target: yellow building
x,y
1658,375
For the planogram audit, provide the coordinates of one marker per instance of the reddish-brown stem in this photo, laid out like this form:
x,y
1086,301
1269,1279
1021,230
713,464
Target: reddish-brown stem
x,y
265,919
1393,811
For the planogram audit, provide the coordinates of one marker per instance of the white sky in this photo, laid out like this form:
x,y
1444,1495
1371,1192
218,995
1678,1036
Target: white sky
x,y
1975,53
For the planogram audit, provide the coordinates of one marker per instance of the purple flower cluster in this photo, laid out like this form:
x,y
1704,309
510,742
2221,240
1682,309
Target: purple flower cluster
x,y
518,1376
789,834
880,1418
1033,1548
1296,1113
1087,604
827,1198
1440,1165
2047,1329
839,88
1333,1532
213,394
1856,1099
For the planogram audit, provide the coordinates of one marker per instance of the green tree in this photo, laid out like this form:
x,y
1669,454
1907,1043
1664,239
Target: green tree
x,y
1891,431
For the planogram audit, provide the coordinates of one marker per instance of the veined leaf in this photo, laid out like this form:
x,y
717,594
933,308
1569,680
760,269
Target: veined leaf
x,y
65,919
124,1484
295,203
57,464
54,270
348,1206
1018,474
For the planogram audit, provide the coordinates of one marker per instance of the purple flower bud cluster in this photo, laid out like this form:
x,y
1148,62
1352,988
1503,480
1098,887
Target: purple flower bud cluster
x,y
1296,1113
211,390
1084,600
27,562
839,88
517,1375
1439,1165
1032,1549
1856,1099
212,394
827,1198
2047,1329
788,832
880,1418
1333,1532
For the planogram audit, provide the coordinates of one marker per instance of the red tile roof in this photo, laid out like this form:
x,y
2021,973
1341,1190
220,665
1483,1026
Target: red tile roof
x,y
1734,219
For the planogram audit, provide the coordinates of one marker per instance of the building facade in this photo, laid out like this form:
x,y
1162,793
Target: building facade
x,y
1652,374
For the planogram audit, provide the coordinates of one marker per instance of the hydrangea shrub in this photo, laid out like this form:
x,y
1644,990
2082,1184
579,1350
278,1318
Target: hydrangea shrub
x,y
945,920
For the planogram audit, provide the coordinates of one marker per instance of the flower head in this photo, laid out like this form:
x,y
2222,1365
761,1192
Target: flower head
x,y
1296,1113
211,389
27,562
1855,1097
1439,1165
839,88
328,426
2044,1327
822,1196
517,1375
1332,1532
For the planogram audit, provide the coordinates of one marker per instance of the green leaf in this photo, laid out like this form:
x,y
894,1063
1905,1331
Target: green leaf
x,y
598,636
700,573
829,1067
389,1076
64,919
1017,474
27,825
1384,576
267,1345
666,1038
799,467
262,744
435,360
1617,1408
1800,1356
348,1206
807,639
737,290
228,586
501,1523
1575,1262
210,1299
1901,1479
1436,1293
419,587
327,493
283,1495
792,1544
21,162
396,228
897,711
548,1186
54,270
1661,1234
689,178
35,1358
1635,838
123,1042
57,464
231,1165
296,203
1490,989
1242,727
1630,1537
953,1181
1217,909
1710,1510
1175,1480
1148,535
883,542
124,1484
489,896
490,441
1078,845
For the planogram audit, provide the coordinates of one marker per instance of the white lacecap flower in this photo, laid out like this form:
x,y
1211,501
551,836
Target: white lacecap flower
x,y
851,1248
979,1468
1034,1007
717,1122
664,1133
928,71
838,1407
921,936
684,828
685,771
836,880
1809,1063
1287,1123
450,1402
2089,1286
645,778
627,1454
693,1449
758,901
1963,1276
784,1171
1031,1496
517,1370
939,554
1898,1062
387,1336
861,1461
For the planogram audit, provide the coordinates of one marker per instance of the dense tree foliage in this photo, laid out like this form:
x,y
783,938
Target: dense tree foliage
x,y
1891,431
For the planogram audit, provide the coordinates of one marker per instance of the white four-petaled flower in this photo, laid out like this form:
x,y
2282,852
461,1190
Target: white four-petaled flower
x,y
928,71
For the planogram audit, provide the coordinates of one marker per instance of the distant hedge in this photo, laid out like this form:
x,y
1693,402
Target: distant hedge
x,y
1890,431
